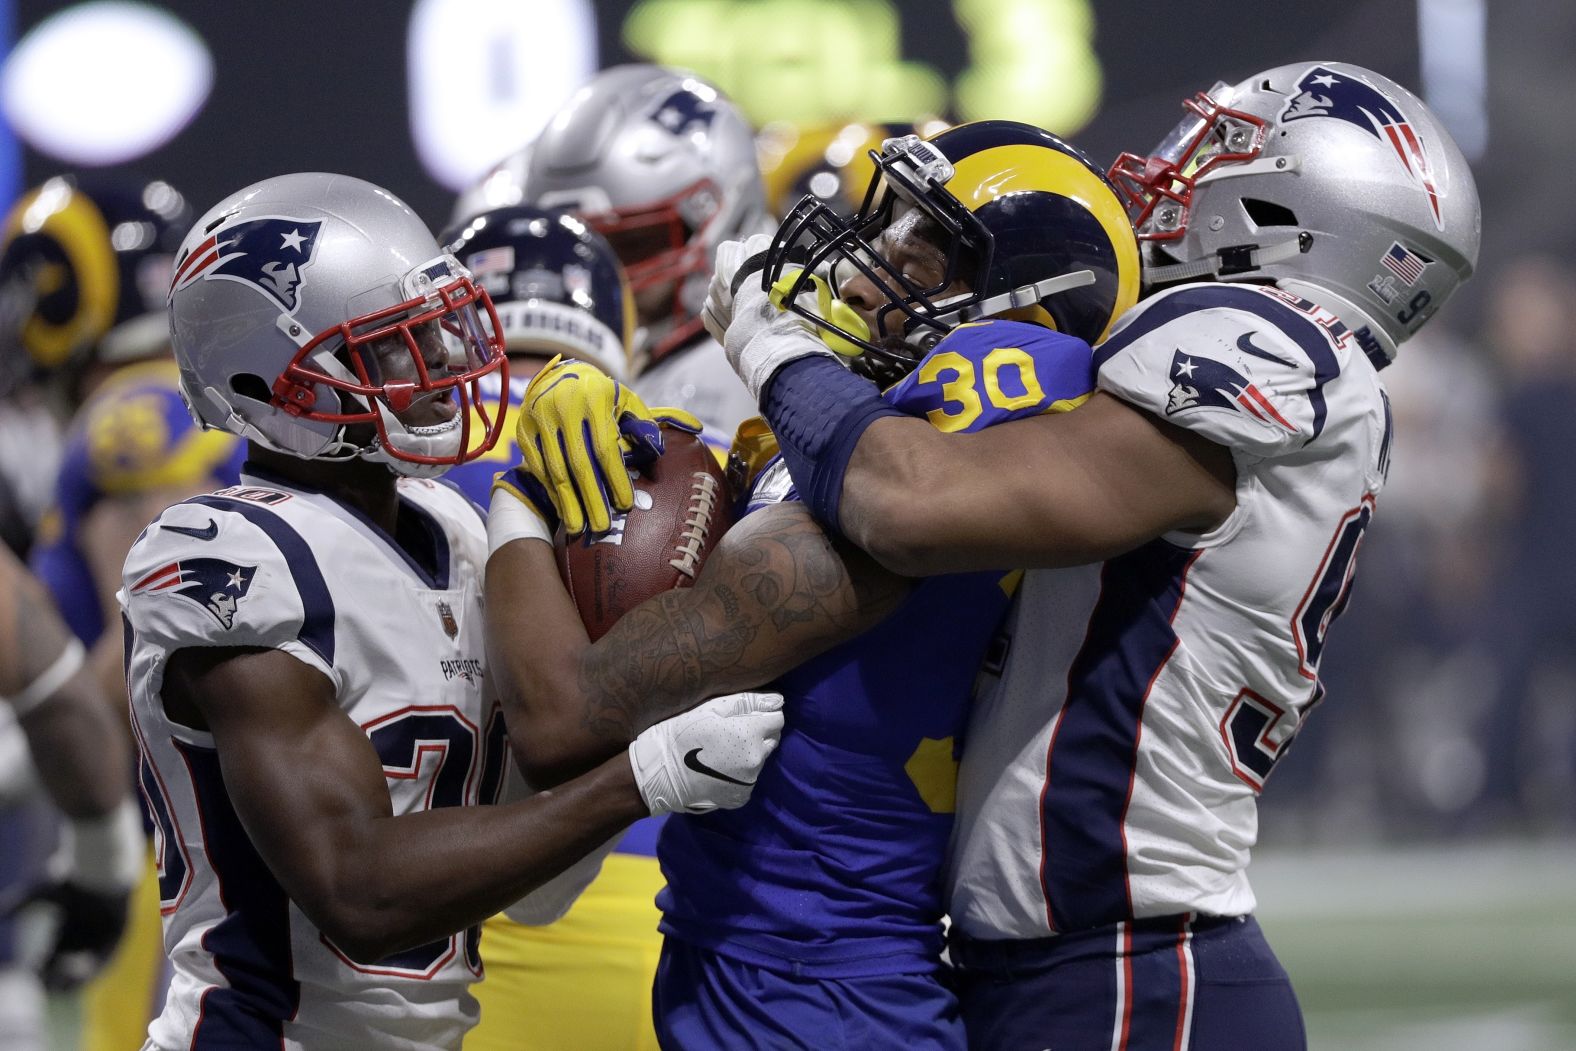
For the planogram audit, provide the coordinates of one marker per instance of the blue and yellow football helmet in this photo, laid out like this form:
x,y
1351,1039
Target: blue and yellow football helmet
x,y
831,161
1029,227
84,270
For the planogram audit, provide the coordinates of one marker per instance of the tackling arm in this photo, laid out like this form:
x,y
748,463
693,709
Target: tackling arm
x,y
82,752
310,791
1053,490
775,592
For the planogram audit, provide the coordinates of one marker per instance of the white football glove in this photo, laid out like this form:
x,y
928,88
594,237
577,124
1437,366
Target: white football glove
x,y
731,255
763,337
708,757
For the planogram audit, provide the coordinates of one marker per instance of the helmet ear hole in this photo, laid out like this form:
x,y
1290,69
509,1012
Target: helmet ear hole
x,y
249,385
1268,213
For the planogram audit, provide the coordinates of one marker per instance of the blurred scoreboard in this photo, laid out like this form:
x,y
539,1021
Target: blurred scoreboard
x,y
422,97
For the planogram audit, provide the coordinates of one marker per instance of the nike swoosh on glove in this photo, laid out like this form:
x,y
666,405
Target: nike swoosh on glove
x,y
709,757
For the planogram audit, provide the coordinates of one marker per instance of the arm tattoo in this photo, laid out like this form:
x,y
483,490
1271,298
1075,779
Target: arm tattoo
x,y
774,593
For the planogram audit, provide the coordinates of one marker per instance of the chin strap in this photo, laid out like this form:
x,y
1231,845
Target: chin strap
x,y
1019,298
923,338
1233,259
440,440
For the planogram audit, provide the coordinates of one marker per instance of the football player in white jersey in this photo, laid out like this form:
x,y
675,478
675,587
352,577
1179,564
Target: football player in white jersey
x,y
309,688
663,165
1207,505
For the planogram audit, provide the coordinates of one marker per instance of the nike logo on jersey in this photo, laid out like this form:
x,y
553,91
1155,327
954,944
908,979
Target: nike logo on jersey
x,y
1245,344
692,760
207,532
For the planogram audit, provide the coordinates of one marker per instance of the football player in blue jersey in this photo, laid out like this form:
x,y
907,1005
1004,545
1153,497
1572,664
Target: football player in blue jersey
x,y
1190,532
558,290
584,979
813,915
84,265
1190,535
72,911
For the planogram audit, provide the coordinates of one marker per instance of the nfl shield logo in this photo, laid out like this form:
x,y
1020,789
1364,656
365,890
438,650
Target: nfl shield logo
x,y
451,627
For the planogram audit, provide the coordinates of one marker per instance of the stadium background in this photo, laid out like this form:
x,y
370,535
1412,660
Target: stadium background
x,y
1418,848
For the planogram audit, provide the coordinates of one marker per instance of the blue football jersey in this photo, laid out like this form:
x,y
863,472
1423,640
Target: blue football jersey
x,y
133,436
834,867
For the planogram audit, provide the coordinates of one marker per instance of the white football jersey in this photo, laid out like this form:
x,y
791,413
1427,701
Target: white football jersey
x,y
698,378
1115,756
271,564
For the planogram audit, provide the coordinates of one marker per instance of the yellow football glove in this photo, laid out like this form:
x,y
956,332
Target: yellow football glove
x,y
577,429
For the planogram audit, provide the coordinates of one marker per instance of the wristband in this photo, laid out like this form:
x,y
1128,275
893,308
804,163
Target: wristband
x,y
511,518
818,410
51,679
105,853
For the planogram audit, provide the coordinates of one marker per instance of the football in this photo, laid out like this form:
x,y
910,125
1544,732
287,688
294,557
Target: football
x,y
682,508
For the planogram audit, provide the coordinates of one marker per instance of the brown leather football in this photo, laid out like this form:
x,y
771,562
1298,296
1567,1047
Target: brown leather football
x,y
682,508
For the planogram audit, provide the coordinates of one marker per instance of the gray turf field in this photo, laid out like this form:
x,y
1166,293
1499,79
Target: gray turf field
x,y
1469,948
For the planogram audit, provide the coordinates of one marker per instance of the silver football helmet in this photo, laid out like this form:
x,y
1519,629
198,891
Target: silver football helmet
x,y
1330,180
660,163
310,313
502,187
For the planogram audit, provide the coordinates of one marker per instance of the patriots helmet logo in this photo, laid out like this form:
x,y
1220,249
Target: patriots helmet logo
x,y
268,254
1203,383
684,111
1322,92
212,583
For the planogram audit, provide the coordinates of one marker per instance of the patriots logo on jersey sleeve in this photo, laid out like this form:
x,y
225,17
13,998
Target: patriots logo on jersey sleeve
x,y
684,111
1202,383
1324,93
214,584
269,254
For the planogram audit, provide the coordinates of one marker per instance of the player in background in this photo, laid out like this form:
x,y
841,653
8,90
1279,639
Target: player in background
x,y
558,289
60,929
812,915
663,165
1192,529
584,979
85,270
830,162
308,684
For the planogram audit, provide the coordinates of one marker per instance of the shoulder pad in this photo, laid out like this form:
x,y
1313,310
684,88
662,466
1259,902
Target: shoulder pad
x,y
988,372
219,572
1243,365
